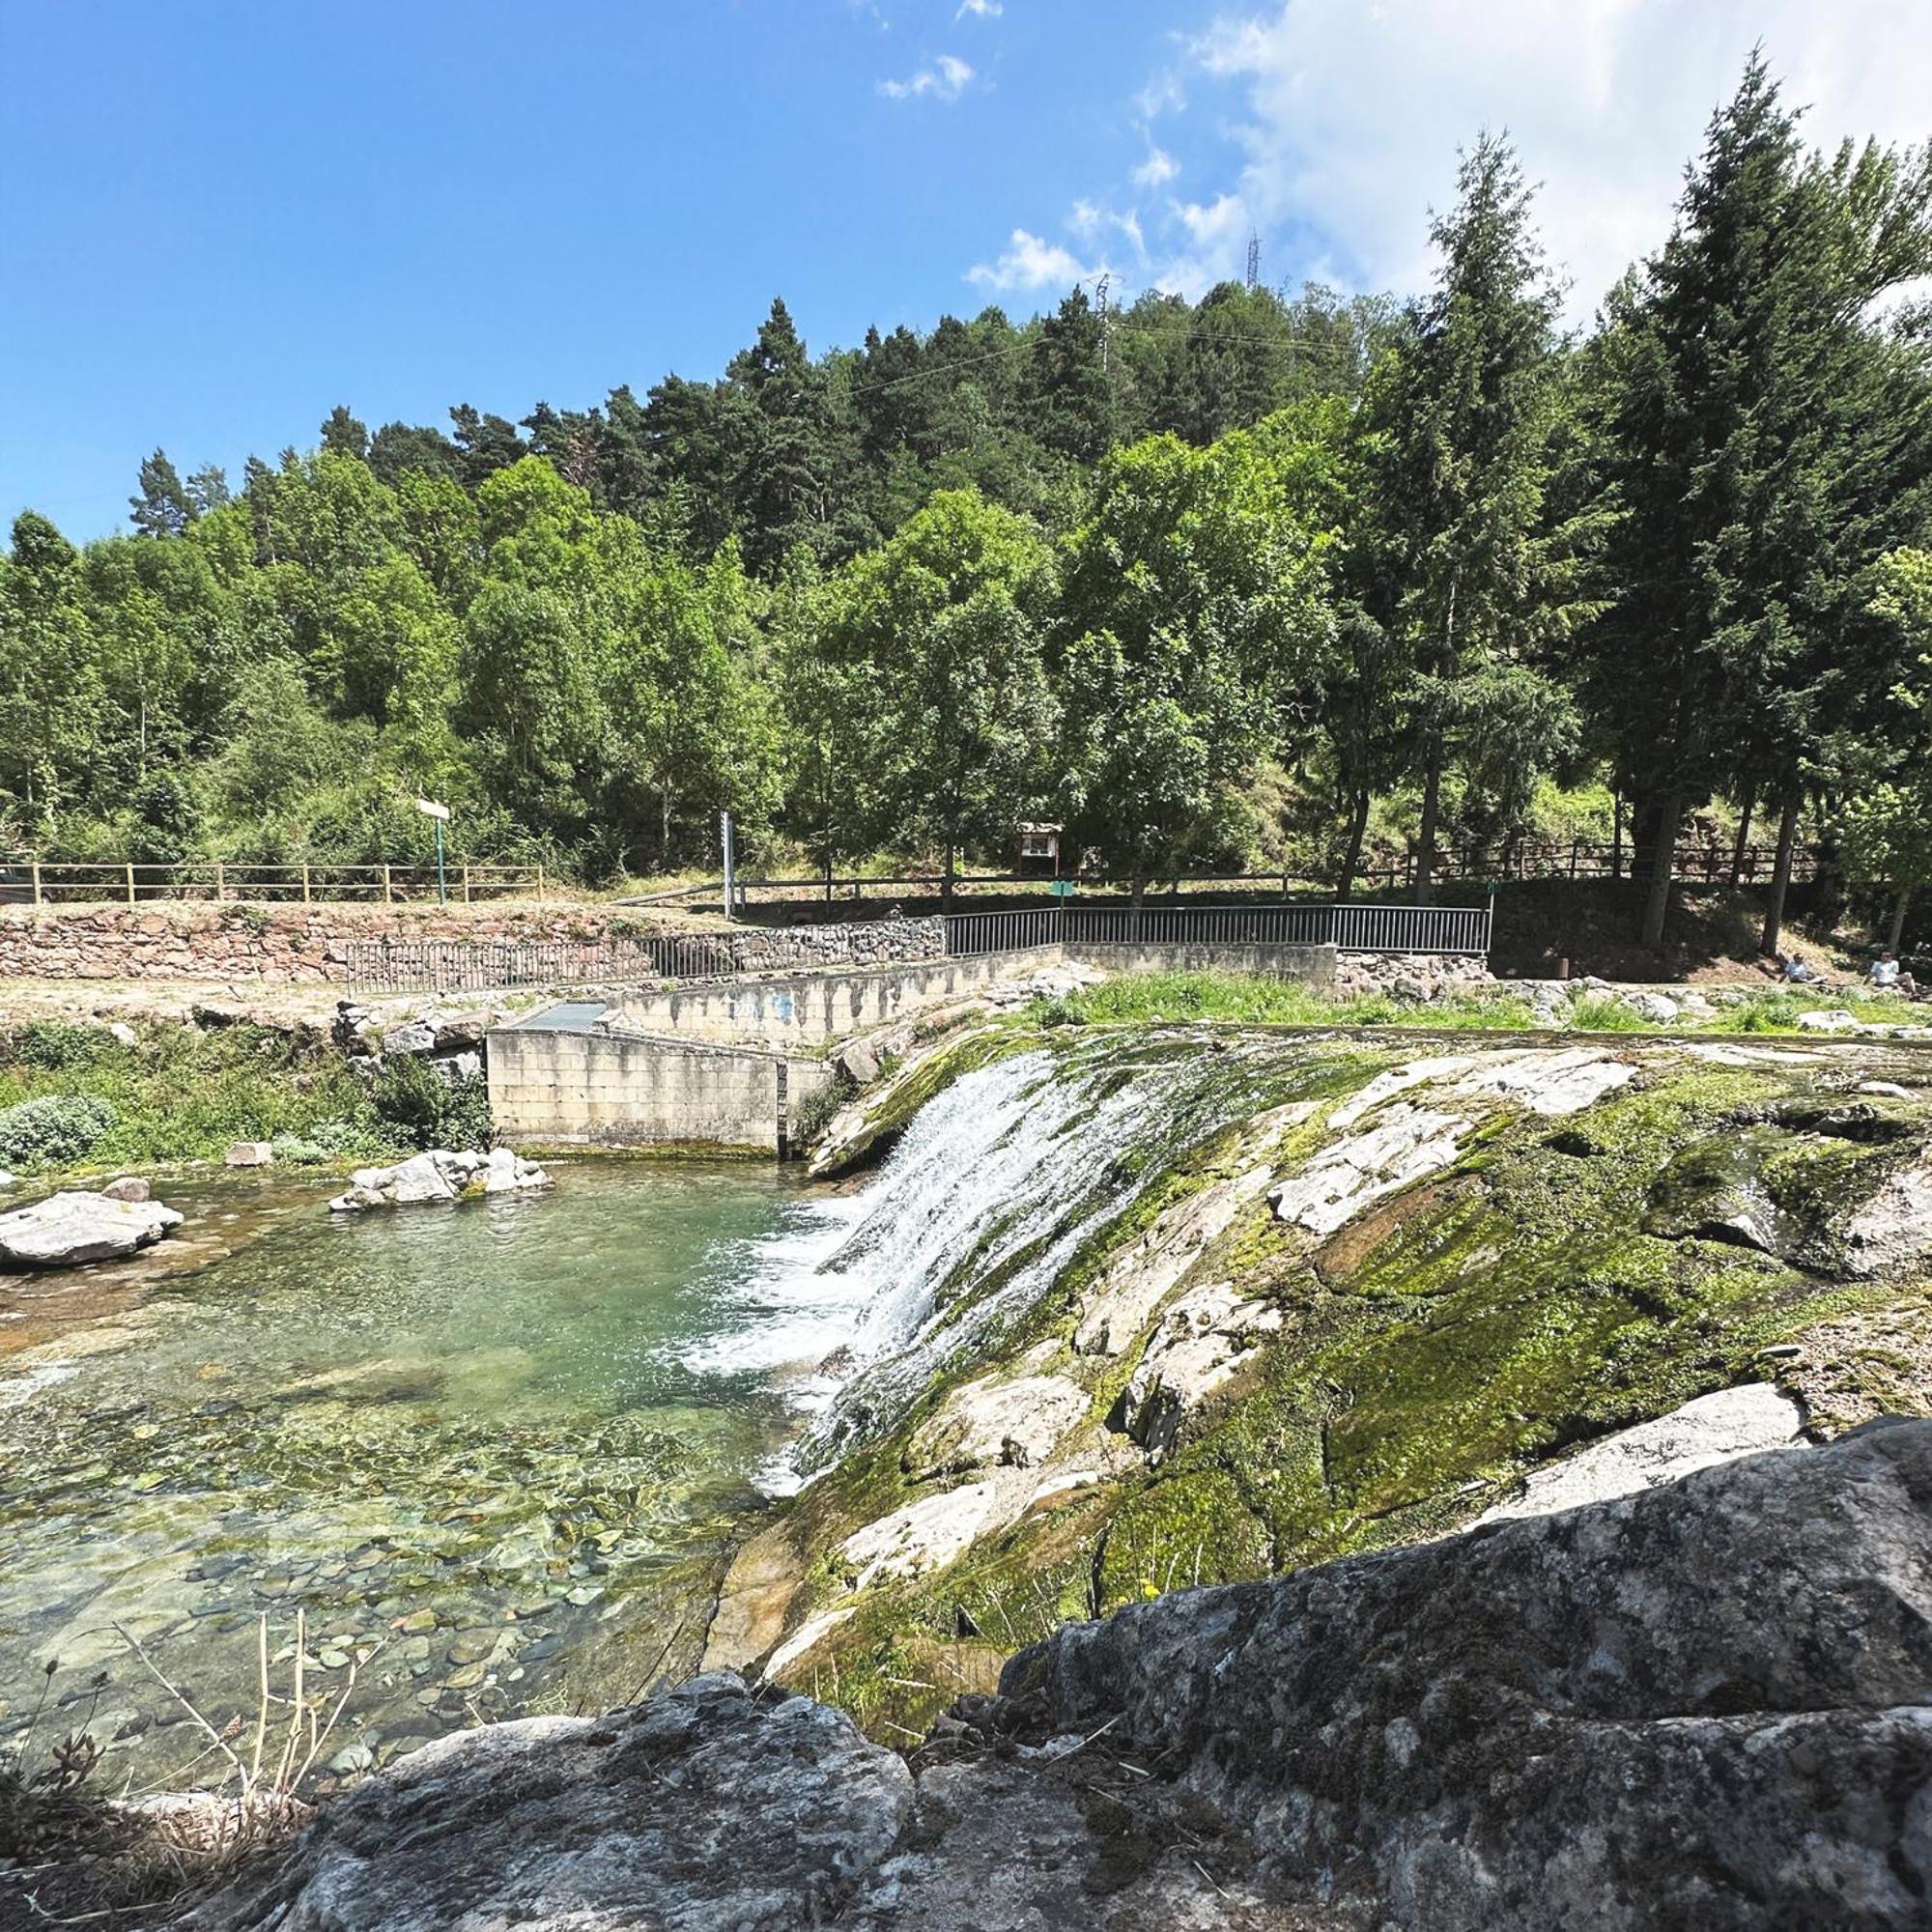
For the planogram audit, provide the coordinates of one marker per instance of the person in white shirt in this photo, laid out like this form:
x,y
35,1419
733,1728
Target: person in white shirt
x,y
1887,977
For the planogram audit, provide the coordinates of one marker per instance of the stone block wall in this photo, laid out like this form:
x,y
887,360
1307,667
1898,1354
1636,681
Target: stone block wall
x,y
284,945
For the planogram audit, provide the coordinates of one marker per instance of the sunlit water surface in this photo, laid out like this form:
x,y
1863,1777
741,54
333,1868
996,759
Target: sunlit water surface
x,y
493,1453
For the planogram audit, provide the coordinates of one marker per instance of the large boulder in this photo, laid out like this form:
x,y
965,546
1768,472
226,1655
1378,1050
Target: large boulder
x,y
1707,1704
68,1228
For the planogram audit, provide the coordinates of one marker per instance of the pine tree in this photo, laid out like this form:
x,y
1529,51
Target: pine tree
x,y
1459,562
1739,412
162,508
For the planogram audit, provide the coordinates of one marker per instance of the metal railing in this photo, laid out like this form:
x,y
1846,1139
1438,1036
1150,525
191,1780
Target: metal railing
x,y
1351,928
127,882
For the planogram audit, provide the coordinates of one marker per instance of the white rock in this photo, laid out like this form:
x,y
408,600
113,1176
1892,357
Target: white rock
x,y
1830,1019
925,1535
987,1422
441,1175
1888,1090
8,1180
1407,1144
1201,1337
803,1639
249,1153
1657,1008
68,1228
1895,1224
125,1035
1714,1429
1140,1276
1398,1080
1551,1084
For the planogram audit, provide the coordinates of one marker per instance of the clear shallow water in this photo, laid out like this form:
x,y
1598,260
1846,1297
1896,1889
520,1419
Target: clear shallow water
x,y
492,1450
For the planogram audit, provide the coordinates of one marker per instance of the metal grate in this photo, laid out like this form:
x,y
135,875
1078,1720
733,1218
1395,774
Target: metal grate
x,y
1351,928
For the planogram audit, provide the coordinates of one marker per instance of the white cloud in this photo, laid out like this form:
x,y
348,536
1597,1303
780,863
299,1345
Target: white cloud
x,y
1354,113
1335,124
1088,219
1157,170
981,9
945,80
1030,262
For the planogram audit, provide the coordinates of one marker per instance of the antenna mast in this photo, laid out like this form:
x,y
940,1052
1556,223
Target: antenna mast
x,y
1254,259
1100,304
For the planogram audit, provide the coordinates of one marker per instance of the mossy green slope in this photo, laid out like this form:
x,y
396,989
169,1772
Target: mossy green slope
x,y
1447,1339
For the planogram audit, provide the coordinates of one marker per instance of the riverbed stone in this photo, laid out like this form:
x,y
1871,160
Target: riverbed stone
x,y
1894,1226
68,1228
127,1188
249,1153
1197,1348
442,1173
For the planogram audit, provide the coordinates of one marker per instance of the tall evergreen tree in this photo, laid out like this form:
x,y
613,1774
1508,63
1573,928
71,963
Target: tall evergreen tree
x,y
1459,562
1736,394
162,506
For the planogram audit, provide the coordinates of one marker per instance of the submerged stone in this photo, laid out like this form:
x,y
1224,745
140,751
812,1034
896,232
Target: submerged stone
x,y
66,1229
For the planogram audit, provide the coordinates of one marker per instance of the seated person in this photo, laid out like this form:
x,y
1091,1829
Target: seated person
x,y
1887,976
1798,971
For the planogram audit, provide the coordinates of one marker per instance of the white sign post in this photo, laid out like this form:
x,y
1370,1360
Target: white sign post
x,y
440,813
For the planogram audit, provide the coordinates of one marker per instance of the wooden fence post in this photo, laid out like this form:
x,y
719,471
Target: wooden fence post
x,y
220,882
540,885
304,882
386,885
466,885
130,882
37,882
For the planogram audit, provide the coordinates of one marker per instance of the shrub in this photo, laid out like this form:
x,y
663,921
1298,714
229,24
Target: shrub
x,y
55,1129
55,1045
330,1141
409,1096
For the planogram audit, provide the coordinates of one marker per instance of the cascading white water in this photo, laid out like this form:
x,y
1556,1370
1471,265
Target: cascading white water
x,y
993,1187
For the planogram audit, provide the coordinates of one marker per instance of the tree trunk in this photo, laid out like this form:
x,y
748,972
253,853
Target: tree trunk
x,y
1662,860
946,881
664,831
1352,859
1895,932
828,874
1425,842
1780,877
1616,835
1743,838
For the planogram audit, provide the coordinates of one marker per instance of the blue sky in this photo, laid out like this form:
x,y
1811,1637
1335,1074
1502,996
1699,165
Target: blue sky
x,y
222,220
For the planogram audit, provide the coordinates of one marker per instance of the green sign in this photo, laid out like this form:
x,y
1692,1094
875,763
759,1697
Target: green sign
x,y
1061,889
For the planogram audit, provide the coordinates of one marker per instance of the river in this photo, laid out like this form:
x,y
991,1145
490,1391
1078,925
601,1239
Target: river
x,y
492,1454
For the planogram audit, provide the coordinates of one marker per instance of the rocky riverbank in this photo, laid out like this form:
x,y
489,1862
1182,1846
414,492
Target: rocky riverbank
x,y
1709,1704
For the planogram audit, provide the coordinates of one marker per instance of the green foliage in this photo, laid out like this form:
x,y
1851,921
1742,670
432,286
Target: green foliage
x,y
53,1130
414,1101
56,1045
1301,577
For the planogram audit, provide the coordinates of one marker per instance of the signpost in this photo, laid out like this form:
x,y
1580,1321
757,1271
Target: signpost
x,y
1061,889
730,866
440,813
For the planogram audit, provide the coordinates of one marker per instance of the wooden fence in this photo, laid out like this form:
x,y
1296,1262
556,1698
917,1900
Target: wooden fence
x,y
131,883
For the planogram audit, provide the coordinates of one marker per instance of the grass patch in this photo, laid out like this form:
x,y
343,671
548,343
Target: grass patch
x,y
1253,999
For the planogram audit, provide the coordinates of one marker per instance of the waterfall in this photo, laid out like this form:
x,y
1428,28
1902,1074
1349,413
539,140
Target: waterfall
x,y
992,1189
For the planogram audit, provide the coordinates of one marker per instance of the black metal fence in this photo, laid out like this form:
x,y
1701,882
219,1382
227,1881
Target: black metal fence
x,y
1352,928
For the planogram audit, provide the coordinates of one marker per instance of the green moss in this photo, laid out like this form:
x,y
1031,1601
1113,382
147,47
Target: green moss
x,y
1192,1528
